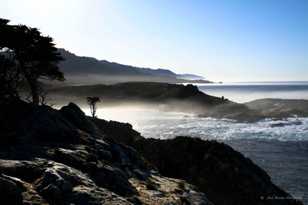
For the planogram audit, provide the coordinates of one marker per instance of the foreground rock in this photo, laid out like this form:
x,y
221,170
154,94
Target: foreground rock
x,y
223,174
61,157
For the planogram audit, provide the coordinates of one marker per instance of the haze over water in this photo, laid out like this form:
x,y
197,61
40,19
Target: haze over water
x,y
154,123
281,150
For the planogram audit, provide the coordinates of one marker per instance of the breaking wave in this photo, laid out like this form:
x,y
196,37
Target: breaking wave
x,y
157,124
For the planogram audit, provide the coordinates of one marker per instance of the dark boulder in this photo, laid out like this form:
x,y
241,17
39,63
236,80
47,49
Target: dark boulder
x,y
23,121
10,192
121,130
113,179
223,174
76,116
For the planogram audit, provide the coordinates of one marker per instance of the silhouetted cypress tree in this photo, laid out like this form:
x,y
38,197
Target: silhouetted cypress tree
x,y
92,101
35,55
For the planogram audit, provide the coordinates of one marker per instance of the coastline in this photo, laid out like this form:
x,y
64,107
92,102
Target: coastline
x,y
188,98
74,158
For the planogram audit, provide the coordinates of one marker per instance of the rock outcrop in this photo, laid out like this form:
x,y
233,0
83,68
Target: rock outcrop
x,y
52,156
223,174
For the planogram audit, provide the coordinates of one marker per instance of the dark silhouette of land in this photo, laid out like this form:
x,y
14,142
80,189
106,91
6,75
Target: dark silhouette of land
x,y
82,70
184,98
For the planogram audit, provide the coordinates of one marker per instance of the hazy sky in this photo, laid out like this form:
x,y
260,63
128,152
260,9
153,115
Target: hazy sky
x,y
223,40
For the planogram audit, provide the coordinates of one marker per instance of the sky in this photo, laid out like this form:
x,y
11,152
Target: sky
x,y
222,40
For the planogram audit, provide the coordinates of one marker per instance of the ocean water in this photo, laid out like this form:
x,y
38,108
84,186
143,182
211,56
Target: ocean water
x,y
164,125
244,92
279,147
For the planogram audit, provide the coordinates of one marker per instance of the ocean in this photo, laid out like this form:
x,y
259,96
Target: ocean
x,y
281,150
244,92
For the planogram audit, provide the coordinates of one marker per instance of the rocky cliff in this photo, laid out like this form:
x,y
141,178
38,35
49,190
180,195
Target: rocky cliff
x,y
60,157
50,156
223,174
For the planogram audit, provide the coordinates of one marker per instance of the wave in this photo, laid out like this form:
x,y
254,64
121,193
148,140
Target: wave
x,y
157,124
290,129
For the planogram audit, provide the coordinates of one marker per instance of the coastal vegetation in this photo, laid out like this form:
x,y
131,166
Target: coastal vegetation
x,y
92,101
26,57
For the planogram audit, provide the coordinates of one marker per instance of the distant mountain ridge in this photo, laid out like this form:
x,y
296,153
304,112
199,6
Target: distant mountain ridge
x,y
190,77
81,67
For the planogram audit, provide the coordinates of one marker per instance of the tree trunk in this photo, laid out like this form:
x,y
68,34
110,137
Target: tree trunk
x,y
34,91
32,82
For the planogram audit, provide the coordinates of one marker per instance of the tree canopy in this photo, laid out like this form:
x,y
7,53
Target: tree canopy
x,y
33,55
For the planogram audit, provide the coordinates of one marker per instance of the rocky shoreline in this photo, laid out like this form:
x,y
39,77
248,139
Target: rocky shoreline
x,y
50,156
183,98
